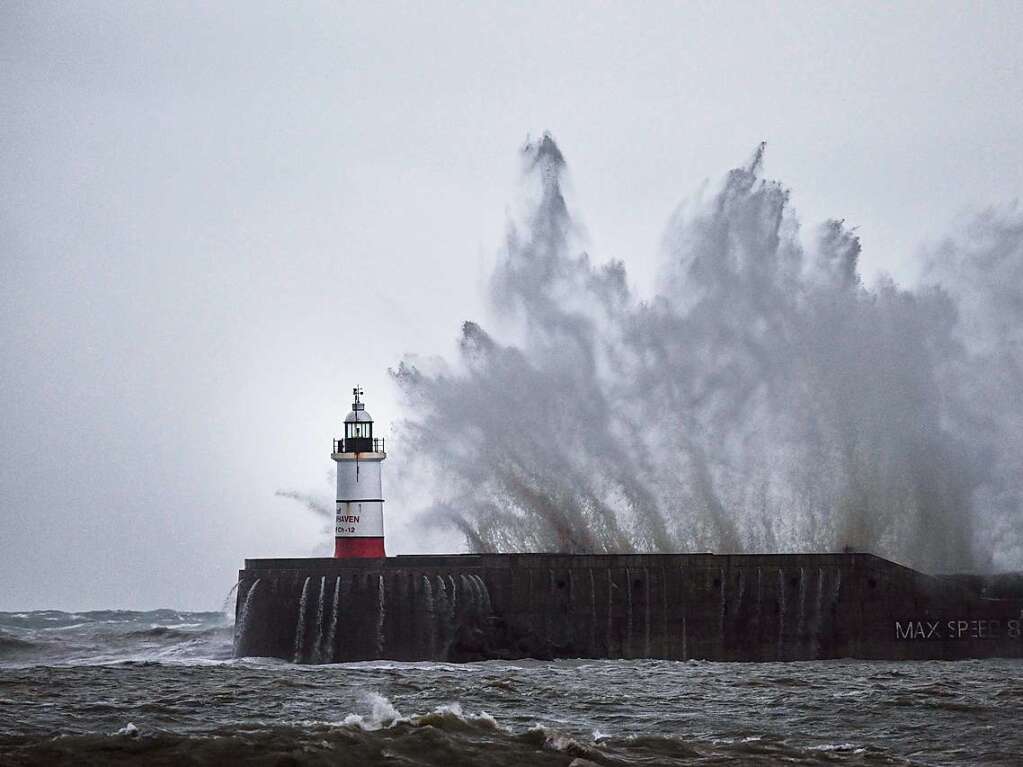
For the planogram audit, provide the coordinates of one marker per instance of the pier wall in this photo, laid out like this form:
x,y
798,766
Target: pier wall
x,y
674,606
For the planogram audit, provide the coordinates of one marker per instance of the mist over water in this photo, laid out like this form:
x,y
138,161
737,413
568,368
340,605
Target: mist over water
x,y
764,399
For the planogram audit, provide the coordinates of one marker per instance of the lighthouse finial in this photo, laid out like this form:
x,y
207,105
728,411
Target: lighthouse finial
x,y
357,391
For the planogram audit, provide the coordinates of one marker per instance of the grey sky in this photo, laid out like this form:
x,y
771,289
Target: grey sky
x,y
216,220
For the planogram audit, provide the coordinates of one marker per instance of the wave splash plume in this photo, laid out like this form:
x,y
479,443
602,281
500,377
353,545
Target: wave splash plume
x,y
764,399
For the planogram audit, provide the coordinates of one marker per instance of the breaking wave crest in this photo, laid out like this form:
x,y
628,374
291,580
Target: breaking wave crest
x,y
764,399
384,736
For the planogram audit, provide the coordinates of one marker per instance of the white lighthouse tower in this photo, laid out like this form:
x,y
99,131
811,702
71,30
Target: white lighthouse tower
x,y
359,524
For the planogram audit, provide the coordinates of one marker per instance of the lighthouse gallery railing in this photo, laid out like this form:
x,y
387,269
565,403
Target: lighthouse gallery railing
x,y
359,445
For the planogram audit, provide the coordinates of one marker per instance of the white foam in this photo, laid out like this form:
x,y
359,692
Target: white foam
x,y
837,747
455,709
129,730
382,714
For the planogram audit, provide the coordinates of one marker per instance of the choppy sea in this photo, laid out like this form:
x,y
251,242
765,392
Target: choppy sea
x,y
161,687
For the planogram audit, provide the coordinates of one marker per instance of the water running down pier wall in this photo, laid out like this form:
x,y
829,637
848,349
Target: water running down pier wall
x,y
674,606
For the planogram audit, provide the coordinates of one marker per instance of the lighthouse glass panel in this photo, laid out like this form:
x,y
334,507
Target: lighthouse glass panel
x,y
358,430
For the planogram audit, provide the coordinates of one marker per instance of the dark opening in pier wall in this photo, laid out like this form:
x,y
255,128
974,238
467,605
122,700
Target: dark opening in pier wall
x,y
675,606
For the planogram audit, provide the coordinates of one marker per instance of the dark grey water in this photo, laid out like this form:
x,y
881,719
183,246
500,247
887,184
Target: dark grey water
x,y
161,688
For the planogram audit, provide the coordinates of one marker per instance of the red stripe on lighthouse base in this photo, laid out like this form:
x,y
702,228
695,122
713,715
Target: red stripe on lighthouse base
x,y
353,548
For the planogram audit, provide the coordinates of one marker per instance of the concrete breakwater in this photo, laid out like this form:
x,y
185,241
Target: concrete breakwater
x,y
675,606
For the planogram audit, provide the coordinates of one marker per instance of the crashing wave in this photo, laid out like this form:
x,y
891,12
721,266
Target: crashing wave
x,y
764,399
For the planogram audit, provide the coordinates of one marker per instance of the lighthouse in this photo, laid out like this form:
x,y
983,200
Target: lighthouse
x,y
359,524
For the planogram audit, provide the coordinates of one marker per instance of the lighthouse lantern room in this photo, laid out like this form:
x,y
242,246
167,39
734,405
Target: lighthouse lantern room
x,y
359,524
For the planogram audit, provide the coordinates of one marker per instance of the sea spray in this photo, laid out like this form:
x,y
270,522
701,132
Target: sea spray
x,y
721,604
321,627
484,595
665,628
627,650
763,398
430,611
682,595
381,615
242,628
228,606
335,616
801,626
610,610
818,616
646,612
758,616
735,612
550,599
300,626
574,613
446,616
593,614
470,597
781,614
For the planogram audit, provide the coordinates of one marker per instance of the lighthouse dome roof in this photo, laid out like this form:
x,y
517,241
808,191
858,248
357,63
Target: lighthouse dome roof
x,y
358,416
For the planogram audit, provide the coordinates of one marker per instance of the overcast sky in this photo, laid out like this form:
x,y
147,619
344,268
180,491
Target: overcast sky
x,y
215,219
